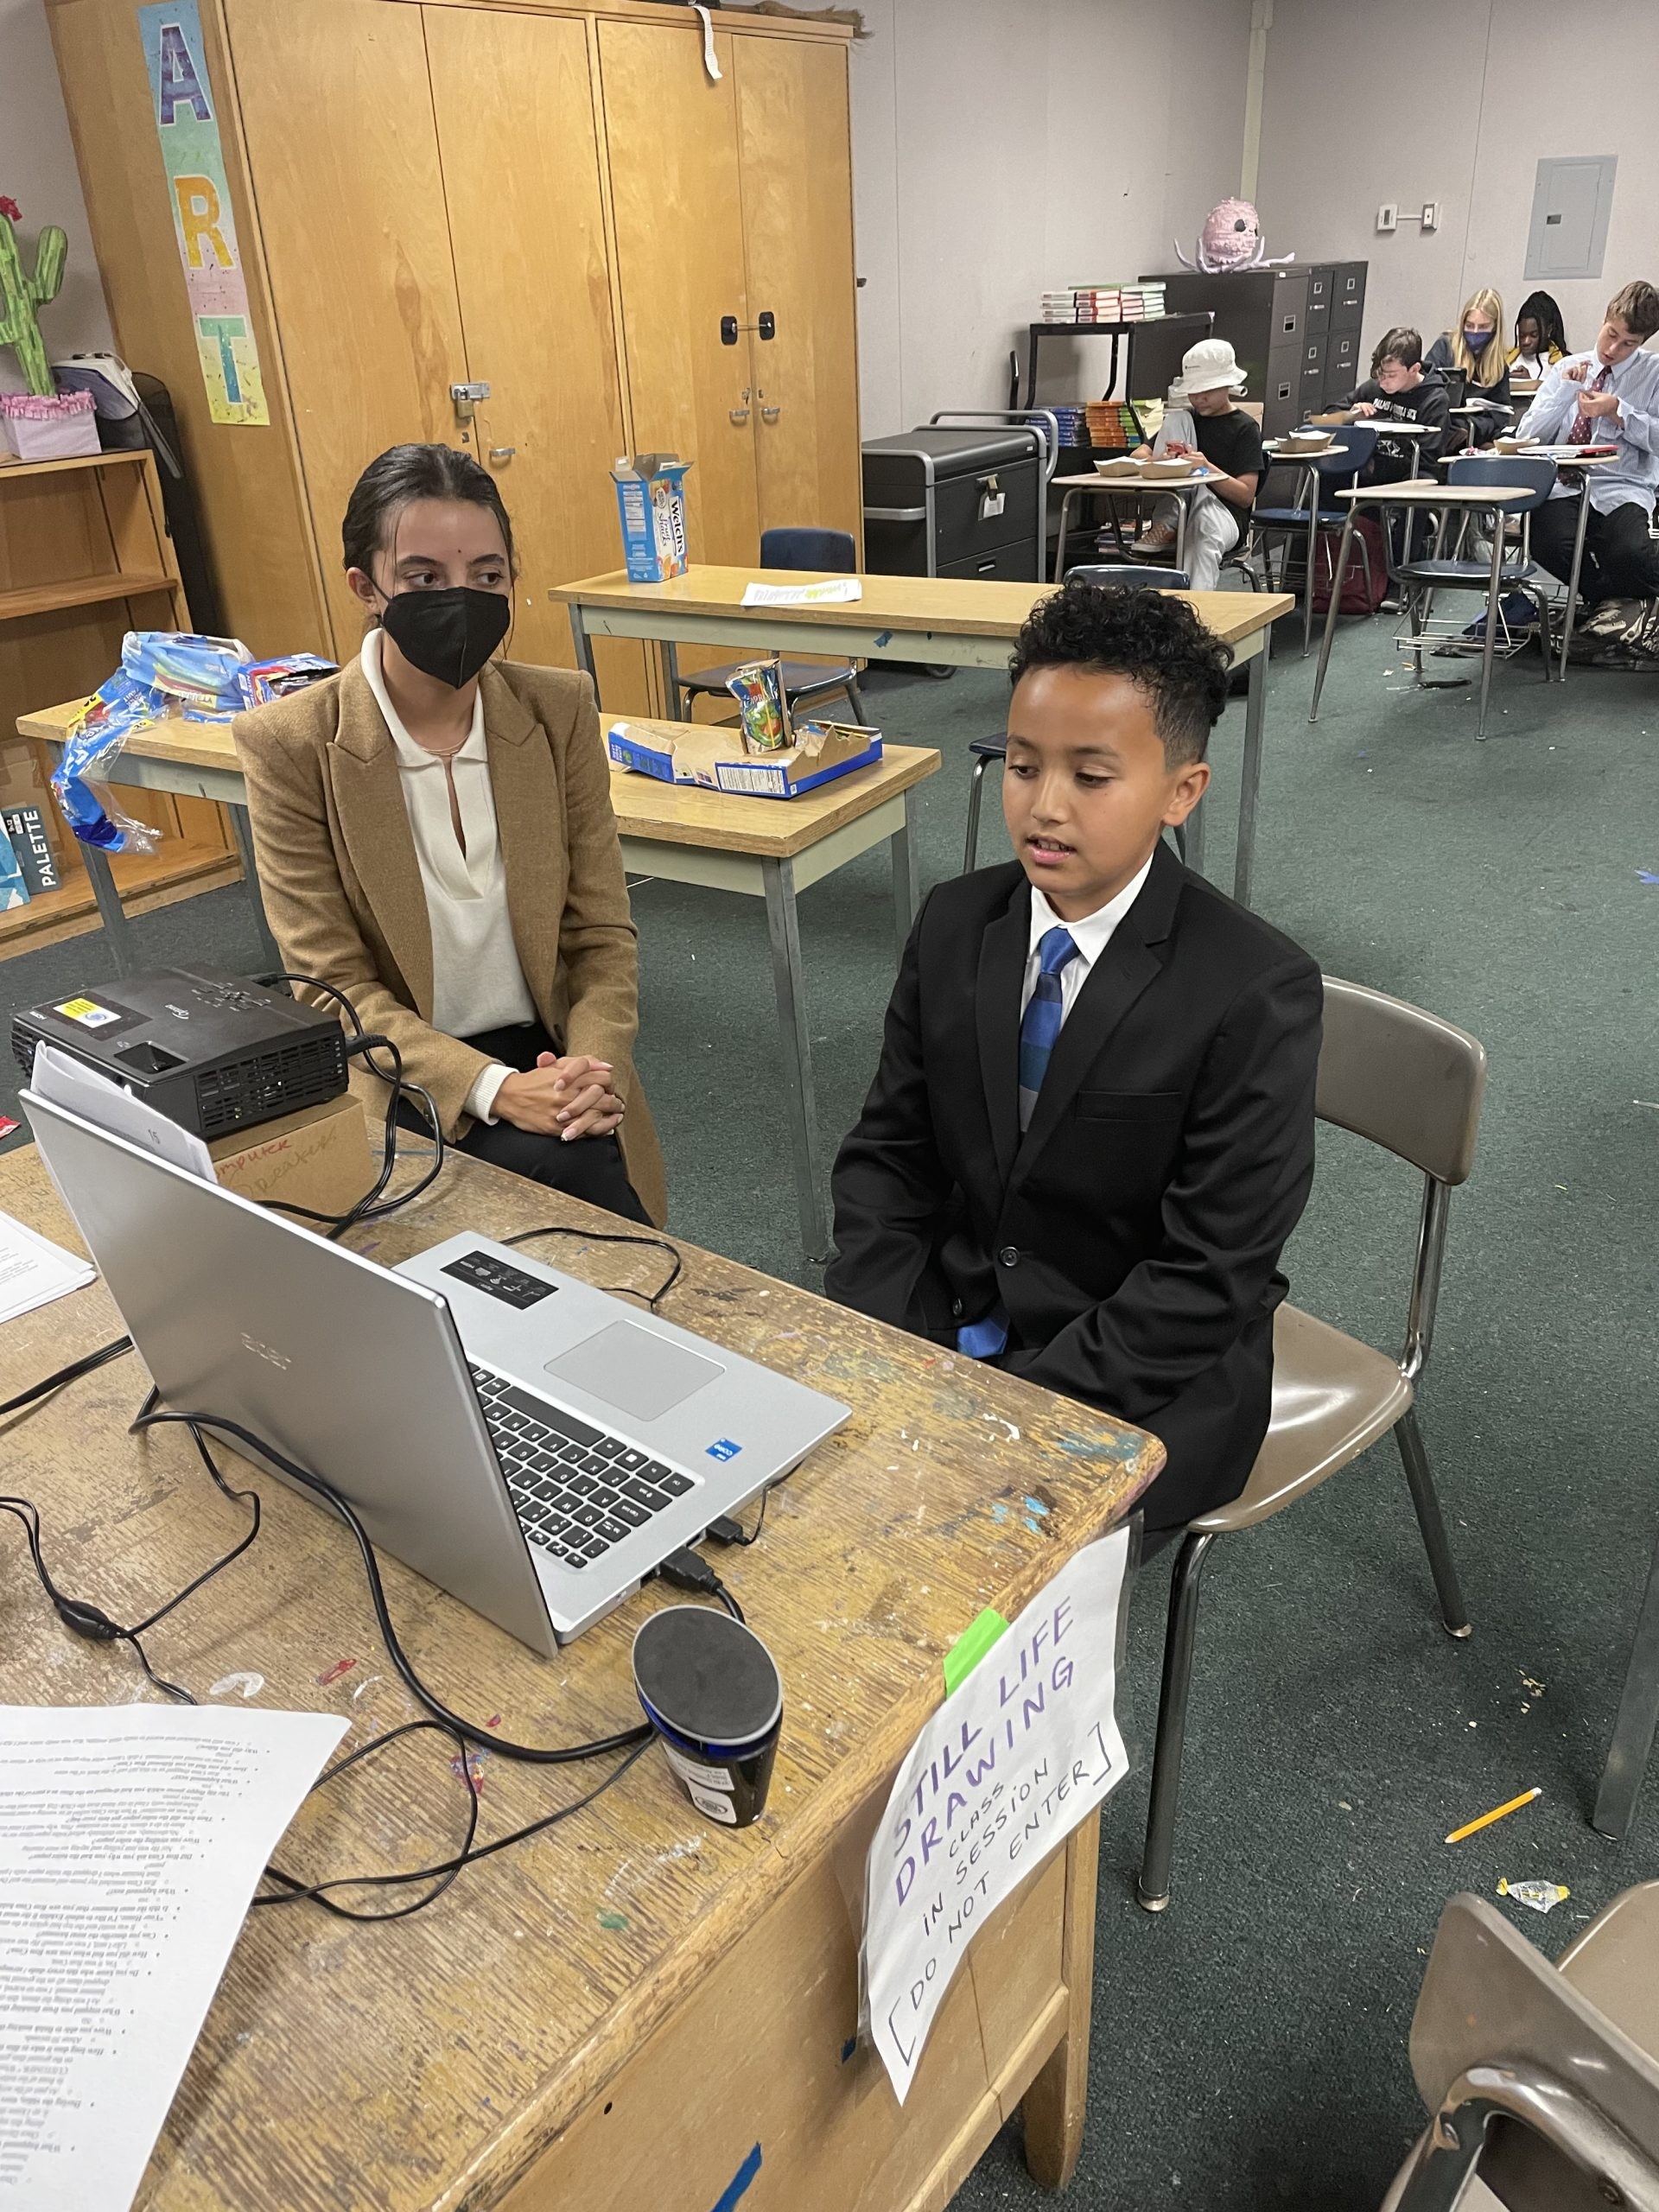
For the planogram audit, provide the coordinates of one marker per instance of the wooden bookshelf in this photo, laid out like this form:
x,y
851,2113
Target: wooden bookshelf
x,y
85,557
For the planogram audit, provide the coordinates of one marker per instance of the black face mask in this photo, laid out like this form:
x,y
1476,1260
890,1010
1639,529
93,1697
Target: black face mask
x,y
449,634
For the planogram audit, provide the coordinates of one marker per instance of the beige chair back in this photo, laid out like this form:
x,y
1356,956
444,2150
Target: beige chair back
x,y
1404,1079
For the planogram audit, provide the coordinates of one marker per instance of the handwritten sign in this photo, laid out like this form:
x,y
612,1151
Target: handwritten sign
x,y
202,218
1015,1758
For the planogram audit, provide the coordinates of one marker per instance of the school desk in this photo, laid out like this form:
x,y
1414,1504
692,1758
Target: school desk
x,y
767,848
639,2008
1075,488
1419,493
959,622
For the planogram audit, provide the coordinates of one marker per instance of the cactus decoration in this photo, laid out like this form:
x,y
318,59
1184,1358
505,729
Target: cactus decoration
x,y
20,296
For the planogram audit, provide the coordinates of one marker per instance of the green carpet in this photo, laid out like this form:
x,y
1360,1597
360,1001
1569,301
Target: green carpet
x,y
1249,2046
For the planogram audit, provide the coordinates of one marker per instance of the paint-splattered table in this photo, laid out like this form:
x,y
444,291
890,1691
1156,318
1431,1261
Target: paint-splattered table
x,y
638,2010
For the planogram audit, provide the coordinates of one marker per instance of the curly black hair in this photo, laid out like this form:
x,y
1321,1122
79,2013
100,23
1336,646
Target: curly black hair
x,y
1154,639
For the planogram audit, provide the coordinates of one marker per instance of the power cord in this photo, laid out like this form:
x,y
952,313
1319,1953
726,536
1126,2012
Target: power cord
x,y
653,1299
76,1369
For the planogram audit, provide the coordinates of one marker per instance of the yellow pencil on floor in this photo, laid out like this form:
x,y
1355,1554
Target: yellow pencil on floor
x,y
1497,1814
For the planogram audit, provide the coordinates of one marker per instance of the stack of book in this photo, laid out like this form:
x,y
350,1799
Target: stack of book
x,y
1088,303
1074,425
1111,426
26,864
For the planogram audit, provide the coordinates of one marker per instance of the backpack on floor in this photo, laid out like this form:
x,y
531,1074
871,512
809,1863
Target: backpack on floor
x,y
1356,599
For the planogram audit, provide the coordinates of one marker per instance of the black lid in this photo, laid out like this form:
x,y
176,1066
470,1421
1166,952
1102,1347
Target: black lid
x,y
707,1675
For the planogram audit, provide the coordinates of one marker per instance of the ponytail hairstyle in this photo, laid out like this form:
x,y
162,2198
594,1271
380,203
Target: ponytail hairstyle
x,y
403,473
1491,364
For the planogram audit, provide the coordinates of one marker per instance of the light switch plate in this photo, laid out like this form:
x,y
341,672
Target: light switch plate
x,y
1431,214
1387,216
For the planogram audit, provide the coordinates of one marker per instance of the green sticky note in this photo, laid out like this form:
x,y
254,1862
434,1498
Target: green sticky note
x,y
971,1646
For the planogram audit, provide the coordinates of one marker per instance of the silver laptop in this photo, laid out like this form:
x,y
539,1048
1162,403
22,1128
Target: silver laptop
x,y
533,1445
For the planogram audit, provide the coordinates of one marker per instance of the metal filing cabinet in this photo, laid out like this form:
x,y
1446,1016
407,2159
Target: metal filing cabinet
x,y
1295,330
955,503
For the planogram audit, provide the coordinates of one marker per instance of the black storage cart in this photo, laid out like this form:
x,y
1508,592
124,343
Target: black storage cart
x,y
954,498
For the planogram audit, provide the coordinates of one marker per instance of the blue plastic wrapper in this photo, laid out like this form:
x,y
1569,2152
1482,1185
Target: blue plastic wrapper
x,y
164,676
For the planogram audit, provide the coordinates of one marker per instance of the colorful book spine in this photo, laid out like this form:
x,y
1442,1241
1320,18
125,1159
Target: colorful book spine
x,y
14,891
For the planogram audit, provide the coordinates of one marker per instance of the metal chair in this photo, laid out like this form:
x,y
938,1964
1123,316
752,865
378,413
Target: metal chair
x,y
1285,524
829,551
987,749
1542,2081
1411,1083
1423,578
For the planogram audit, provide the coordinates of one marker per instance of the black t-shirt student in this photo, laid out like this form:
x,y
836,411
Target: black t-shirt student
x,y
1232,443
1398,458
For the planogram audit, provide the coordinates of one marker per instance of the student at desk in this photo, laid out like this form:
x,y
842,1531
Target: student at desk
x,y
1202,422
1540,339
1091,1129
433,835
1475,347
1608,395
1401,389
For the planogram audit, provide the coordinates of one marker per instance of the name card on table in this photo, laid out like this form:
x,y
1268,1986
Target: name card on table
x,y
1015,1758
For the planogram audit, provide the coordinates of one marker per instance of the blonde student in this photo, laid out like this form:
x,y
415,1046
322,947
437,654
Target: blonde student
x,y
1202,421
1475,347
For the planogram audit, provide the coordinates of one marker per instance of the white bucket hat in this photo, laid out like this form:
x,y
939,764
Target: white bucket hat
x,y
1205,367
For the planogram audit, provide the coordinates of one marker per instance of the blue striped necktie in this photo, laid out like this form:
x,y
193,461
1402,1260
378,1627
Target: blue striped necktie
x,y
1044,1012
1043,1015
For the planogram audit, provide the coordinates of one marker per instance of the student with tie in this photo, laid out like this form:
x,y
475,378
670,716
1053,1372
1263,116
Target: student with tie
x,y
1608,395
1091,1129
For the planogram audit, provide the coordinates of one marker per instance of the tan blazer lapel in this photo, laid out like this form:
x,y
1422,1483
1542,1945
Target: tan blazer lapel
x,y
530,830
374,824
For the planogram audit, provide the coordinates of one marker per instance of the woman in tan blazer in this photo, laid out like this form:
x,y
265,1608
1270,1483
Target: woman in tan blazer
x,y
435,839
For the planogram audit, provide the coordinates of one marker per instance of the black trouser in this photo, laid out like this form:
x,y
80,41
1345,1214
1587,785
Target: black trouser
x,y
1620,559
588,1168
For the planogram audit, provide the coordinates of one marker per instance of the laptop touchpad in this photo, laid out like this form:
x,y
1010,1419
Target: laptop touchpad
x,y
635,1371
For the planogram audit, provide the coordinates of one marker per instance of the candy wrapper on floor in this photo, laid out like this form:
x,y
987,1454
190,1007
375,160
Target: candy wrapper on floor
x,y
164,676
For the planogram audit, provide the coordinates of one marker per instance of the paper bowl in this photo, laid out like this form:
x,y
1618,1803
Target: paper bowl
x,y
1514,445
1121,466
1307,441
1172,471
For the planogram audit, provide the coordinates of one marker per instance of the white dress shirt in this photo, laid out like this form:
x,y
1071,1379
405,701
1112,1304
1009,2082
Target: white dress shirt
x,y
1631,478
1091,936
477,983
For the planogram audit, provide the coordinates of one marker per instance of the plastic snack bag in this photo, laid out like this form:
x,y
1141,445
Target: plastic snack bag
x,y
763,711
1542,1897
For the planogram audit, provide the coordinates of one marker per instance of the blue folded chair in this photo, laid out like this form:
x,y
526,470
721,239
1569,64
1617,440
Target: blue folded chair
x,y
830,551
1321,473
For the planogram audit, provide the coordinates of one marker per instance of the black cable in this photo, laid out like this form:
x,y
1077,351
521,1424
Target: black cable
x,y
115,1349
726,1528
685,1570
471,1730
653,1299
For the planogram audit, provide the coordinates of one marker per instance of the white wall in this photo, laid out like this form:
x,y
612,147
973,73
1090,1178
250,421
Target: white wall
x,y
999,150
37,169
1454,100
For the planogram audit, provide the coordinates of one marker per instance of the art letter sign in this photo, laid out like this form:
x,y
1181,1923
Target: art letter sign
x,y
202,218
1015,1758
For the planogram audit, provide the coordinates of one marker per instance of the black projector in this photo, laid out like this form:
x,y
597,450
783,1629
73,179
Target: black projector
x,y
213,1052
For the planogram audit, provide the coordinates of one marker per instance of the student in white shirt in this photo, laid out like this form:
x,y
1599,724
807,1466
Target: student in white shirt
x,y
435,838
1608,395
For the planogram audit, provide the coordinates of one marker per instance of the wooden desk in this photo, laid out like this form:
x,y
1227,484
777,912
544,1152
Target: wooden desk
x,y
769,849
955,621
1080,487
617,2013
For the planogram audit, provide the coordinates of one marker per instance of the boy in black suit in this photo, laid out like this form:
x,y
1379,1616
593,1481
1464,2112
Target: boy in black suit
x,y
1091,1130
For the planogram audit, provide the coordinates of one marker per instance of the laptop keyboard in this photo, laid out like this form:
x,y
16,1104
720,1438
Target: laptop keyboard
x,y
577,1491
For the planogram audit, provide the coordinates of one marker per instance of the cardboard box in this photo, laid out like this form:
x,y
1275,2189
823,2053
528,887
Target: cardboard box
x,y
318,1158
651,497
689,753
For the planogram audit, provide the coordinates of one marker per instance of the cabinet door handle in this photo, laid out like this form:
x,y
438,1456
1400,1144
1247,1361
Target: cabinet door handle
x,y
740,414
502,453
770,413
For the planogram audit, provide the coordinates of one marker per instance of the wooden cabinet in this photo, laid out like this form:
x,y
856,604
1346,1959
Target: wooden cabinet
x,y
550,197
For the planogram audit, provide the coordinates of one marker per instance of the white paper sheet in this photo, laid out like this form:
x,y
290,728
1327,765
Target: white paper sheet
x,y
835,594
68,1083
32,1272
1015,1758
131,1841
